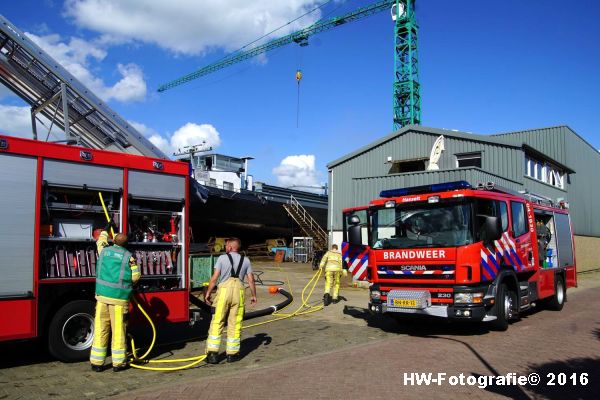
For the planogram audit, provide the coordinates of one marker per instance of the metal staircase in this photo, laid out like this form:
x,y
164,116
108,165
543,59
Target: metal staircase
x,y
309,226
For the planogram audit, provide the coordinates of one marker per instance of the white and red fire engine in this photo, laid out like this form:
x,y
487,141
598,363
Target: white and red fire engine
x,y
459,252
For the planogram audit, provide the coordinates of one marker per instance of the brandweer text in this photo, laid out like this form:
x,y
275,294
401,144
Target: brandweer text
x,y
409,254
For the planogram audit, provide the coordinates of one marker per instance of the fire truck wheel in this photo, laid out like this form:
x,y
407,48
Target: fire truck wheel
x,y
557,301
506,301
71,331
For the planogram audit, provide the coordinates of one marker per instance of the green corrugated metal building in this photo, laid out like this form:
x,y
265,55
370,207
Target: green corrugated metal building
x,y
552,162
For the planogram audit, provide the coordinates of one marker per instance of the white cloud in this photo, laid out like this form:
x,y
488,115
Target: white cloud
x,y
143,129
162,143
188,135
192,134
76,55
298,170
16,121
132,87
189,26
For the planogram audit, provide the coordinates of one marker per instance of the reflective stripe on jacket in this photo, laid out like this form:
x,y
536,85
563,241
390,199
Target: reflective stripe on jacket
x,y
332,261
113,273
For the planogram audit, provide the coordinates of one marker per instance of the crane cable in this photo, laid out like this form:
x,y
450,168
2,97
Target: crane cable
x,y
276,29
298,79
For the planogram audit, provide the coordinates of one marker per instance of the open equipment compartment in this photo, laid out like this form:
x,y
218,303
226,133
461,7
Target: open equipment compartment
x,y
156,215
546,237
156,242
71,216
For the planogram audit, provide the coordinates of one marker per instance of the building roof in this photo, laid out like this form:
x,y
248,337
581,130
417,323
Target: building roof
x,y
545,130
500,141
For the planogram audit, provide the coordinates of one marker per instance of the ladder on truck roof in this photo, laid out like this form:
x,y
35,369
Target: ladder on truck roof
x,y
530,196
537,198
52,91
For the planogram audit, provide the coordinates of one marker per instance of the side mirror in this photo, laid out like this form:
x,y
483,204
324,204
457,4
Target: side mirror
x,y
354,231
490,229
355,235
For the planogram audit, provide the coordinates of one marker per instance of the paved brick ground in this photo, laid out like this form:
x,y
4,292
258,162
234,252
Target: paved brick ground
x,y
342,352
543,342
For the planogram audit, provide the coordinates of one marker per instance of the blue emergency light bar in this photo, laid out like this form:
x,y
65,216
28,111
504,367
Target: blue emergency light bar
x,y
436,187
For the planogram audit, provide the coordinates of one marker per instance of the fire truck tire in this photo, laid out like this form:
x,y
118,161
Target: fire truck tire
x,y
557,301
71,331
506,301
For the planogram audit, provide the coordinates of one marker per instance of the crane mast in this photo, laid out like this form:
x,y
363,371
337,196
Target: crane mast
x,y
406,97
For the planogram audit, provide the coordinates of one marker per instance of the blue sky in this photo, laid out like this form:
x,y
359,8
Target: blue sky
x,y
485,67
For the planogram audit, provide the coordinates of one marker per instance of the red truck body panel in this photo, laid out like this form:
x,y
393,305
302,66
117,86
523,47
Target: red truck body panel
x,y
164,306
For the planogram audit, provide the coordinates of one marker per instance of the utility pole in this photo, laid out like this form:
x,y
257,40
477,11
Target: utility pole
x,y
191,151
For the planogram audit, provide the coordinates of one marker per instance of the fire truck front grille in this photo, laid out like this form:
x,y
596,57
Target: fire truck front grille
x,y
425,272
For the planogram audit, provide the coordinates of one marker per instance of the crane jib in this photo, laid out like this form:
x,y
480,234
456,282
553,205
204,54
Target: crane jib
x,y
406,93
300,35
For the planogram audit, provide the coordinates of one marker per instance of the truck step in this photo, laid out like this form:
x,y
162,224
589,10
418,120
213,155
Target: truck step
x,y
524,302
524,296
524,286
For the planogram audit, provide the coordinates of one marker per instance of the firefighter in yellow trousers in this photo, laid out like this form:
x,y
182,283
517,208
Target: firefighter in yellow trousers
x,y
116,272
230,268
332,261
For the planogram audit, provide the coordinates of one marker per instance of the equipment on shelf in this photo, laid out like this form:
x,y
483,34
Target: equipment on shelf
x,y
69,260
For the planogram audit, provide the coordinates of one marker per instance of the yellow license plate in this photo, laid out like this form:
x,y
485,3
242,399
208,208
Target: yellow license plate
x,y
405,303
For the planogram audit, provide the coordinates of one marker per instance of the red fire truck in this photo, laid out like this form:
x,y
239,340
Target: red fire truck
x,y
50,214
459,252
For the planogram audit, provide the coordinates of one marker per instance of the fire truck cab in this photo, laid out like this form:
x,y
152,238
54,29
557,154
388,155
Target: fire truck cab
x,y
459,252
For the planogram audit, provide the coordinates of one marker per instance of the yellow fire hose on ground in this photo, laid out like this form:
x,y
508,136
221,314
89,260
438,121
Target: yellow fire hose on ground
x,y
303,309
192,361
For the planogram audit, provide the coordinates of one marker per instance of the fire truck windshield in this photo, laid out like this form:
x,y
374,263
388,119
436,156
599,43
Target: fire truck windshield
x,y
421,225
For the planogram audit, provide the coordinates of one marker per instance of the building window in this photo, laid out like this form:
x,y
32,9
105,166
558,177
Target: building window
x,y
227,185
556,179
212,182
414,165
545,172
468,160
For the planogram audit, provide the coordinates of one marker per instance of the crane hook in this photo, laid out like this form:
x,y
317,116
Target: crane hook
x,y
298,79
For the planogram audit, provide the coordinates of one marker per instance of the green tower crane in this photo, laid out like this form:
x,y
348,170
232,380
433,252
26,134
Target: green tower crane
x,y
406,97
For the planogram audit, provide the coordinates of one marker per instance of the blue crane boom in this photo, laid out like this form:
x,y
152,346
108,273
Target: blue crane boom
x,y
406,98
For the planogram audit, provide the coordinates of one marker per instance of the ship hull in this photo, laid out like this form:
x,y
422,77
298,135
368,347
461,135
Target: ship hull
x,y
251,216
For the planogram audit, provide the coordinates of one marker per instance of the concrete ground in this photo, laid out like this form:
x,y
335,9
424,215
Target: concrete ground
x,y
343,352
